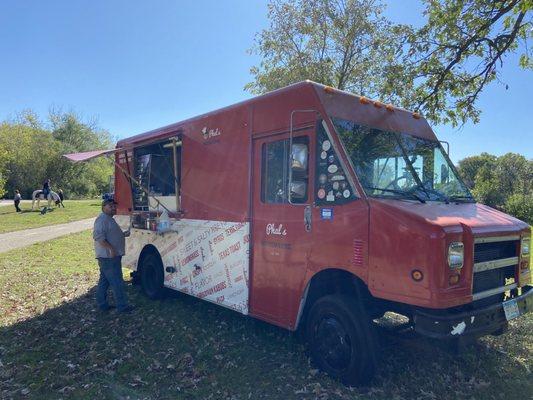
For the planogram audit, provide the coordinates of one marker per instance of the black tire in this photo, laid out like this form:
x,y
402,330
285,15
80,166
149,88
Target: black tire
x,y
341,340
152,276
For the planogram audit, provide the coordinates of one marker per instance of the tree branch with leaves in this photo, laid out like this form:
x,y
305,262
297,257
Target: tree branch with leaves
x,y
338,43
462,49
439,69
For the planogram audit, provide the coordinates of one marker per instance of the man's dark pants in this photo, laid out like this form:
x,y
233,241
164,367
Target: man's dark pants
x,y
111,276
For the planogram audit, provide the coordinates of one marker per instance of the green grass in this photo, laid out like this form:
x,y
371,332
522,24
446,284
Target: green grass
x,y
74,211
53,344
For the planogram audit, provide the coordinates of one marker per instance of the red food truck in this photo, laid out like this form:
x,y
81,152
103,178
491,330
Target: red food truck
x,y
309,207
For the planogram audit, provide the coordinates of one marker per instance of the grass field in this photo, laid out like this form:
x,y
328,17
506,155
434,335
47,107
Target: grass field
x,y
74,211
53,344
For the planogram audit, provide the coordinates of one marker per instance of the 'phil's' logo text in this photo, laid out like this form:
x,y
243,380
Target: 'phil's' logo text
x,y
210,133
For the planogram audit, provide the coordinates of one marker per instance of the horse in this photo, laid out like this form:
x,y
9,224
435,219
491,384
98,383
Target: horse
x,y
38,195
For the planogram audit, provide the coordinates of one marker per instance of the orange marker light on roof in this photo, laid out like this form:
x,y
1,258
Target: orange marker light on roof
x,y
389,107
364,100
329,89
416,115
378,104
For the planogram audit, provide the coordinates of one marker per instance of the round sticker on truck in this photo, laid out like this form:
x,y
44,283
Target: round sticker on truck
x,y
333,168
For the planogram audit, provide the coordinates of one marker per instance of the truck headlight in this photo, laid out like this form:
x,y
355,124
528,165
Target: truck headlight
x,y
456,251
525,246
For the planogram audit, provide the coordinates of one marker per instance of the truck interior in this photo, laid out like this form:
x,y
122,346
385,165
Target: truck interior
x,y
392,164
157,176
279,168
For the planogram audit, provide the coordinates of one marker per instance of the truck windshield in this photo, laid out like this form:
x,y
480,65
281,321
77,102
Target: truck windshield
x,y
398,165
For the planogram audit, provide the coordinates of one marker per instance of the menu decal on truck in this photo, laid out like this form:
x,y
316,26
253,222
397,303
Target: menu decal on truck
x,y
210,258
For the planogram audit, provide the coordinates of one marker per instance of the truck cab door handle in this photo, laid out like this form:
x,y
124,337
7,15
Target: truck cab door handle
x,y
307,218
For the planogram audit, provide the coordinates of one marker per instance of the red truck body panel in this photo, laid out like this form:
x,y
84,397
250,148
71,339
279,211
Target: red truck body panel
x,y
379,241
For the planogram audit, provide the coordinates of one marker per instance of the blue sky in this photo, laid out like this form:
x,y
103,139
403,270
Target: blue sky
x,y
138,65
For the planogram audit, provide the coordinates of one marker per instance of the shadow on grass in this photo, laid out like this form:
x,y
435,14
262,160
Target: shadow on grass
x,y
30,211
182,347
26,211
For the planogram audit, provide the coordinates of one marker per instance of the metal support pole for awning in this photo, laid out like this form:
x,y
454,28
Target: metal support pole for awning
x,y
176,187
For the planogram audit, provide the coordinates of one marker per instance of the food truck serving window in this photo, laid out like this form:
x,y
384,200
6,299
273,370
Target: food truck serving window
x,y
154,172
275,171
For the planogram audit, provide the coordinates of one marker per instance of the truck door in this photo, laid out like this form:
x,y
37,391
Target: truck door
x,y
281,226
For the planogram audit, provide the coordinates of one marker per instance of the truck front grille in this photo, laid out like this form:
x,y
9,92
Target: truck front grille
x,y
493,278
495,263
494,251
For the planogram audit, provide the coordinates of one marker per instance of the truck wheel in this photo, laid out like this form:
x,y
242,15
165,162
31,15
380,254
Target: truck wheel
x,y
340,339
152,276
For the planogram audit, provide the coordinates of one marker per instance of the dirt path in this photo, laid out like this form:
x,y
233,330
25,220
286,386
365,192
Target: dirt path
x,y
15,240
4,202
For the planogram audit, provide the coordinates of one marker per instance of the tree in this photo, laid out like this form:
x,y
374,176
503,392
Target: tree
x,y
73,135
521,206
77,135
339,43
504,182
461,50
515,173
470,166
4,156
2,185
439,69
31,151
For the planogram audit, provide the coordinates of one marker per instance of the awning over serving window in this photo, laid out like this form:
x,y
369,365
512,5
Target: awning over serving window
x,y
88,155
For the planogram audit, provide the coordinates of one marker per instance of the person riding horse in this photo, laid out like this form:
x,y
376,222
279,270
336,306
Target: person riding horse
x,y
39,195
46,188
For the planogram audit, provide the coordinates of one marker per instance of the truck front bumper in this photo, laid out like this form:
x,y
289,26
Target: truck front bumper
x,y
478,322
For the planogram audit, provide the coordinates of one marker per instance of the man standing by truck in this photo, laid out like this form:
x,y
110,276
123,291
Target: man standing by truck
x,y
109,246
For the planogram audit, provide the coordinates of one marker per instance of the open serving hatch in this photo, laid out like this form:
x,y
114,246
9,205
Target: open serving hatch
x,y
153,172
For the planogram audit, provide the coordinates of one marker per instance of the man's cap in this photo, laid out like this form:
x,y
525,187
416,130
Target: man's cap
x,y
108,201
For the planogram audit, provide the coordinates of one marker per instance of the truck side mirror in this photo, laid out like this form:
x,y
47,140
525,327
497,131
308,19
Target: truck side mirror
x,y
299,157
447,146
298,162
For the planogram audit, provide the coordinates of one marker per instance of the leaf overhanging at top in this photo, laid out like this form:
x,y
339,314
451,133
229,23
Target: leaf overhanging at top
x,y
439,69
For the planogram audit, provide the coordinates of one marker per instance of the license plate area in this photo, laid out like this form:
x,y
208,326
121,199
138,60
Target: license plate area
x,y
511,310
